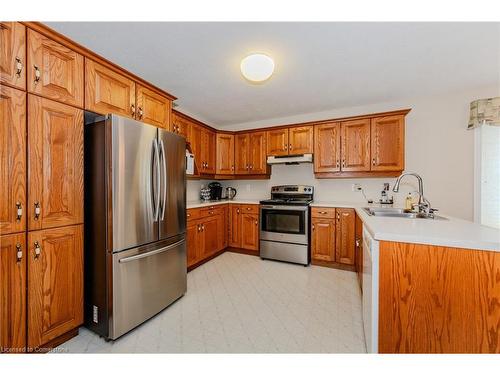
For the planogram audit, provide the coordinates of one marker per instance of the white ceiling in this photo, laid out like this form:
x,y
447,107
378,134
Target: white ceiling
x,y
319,66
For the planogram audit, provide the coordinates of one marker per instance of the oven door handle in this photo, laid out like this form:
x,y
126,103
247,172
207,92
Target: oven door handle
x,y
285,208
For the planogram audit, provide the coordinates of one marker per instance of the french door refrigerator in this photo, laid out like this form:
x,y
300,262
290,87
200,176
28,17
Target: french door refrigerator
x,y
135,222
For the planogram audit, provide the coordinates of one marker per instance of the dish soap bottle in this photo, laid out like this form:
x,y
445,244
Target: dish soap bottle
x,y
408,202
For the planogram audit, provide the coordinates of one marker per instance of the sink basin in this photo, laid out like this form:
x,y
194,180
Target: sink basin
x,y
397,212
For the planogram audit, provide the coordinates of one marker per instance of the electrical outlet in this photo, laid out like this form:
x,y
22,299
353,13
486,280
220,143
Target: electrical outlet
x,y
356,187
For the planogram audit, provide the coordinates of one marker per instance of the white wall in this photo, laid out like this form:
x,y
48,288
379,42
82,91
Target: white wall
x,y
438,147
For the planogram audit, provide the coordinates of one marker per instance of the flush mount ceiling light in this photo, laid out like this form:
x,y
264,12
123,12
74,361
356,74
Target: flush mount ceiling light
x,y
257,67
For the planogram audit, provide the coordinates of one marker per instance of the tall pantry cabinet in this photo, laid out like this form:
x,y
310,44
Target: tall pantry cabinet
x,y
41,194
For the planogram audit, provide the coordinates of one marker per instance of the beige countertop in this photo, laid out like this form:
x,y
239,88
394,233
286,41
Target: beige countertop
x,y
200,203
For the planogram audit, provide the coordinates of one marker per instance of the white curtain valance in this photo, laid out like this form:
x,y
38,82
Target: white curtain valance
x,y
484,112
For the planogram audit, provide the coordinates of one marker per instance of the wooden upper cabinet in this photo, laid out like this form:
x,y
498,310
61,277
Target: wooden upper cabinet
x,y
194,138
13,292
249,231
153,108
257,153
12,160
179,125
54,71
388,143
55,283
13,54
107,91
241,154
345,236
277,142
323,239
300,140
208,145
355,137
225,154
55,172
327,147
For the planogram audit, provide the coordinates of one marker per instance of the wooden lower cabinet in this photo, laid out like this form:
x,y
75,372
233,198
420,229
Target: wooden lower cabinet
x,y
55,283
192,242
13,293
345,236
359,249
250,231
244,227
323,239
234,226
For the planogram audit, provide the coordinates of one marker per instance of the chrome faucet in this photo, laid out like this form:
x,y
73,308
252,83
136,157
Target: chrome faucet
x,y
424,206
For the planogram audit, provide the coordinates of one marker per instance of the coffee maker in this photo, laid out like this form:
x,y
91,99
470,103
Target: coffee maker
x,y
215,190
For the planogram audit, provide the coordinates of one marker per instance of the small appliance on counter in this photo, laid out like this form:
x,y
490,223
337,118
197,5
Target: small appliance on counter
x,y
189,163
215,191
230,193
205,193
384,197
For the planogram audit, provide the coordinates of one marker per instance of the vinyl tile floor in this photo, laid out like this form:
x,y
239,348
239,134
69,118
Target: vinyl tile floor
x,y
238,303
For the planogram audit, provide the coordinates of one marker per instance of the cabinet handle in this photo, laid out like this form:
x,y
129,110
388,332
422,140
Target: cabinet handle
x,y
290,146
19,67
202,227
338,163
343,163
38,250
37,74
256,222
188,215
140,112
251,166
322,212
177,128
237,210
357,242
37,210
199,228
373,161
19,212
132,109
19,254
313,226
338,217
210,212
286,147
232,167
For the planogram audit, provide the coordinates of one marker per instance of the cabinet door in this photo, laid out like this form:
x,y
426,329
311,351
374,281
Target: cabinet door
x,y
54,71
277,142
225,225
387,143
300,140
55,172
234,226
193,239
250,232
179,125
327,147
345,237
195,143
359,249
210,228
153,108
241,154
208,143
225,154
257,153
55,283
12,160
106,91
323,239
13,54
13,293
355,145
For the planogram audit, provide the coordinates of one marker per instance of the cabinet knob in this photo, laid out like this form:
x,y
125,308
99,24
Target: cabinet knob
x,y
338,164
202,227
343,163
19,253
38,250
237,210
38,210
357,242
313,227
199,228
37,74
19,211
140,112
19,67
256,222
132,109
251,166
373,161
290,146
285,147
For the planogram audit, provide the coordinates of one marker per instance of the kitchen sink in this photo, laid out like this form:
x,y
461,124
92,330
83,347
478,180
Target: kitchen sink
x,y
398,212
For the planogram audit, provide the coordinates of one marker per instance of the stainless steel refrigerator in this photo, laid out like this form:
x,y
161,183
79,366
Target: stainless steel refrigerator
x,y
135,222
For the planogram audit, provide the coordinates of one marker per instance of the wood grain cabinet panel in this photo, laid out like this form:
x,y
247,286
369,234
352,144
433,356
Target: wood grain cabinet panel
x,y
327,147
277,142
55,283
234,226
153,108
257,153
193,242
12,160
387,143
195,141
13,54
249,231
359,249
54,71
211,229
300,140
208,145
323,239
436,299
225,154
55,175
355,145
107,91
345,236
241,154
13,293
179,125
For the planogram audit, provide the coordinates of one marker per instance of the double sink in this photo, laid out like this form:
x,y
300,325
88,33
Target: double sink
x,y
399,212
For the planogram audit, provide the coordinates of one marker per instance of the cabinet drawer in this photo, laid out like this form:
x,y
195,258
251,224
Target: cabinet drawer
x,y
326,212
212,211
249,208
193,214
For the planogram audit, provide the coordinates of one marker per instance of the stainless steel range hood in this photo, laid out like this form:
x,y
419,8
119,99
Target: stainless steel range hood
x,y
294,159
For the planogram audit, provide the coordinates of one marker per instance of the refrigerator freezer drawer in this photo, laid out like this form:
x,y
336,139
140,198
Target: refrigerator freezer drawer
x,y
145,281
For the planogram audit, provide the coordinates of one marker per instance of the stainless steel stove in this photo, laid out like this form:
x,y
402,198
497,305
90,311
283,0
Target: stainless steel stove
x,y
284,231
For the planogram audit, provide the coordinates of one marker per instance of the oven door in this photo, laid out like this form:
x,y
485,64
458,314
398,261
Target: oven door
x,y
284,224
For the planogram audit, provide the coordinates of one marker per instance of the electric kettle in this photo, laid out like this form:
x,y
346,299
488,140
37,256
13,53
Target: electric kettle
x,y
230,192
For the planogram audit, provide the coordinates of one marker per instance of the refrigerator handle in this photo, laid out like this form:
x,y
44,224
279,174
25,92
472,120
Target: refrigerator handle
x,y
164,163
156,166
